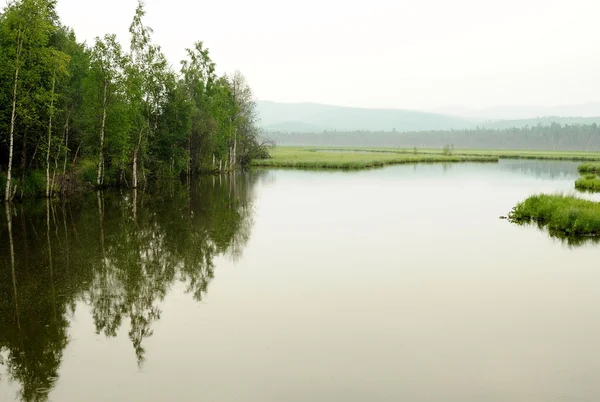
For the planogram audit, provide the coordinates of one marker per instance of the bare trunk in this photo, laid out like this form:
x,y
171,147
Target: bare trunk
x,y
53,181
156,120
66,142
100,178
234,157
23,160
136,152
48,184
7,195
134,174
134,210
189,172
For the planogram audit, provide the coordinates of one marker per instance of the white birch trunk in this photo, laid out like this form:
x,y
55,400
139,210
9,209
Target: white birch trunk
x,y
100,179
134,173
7,194
48,184
66,139
234,157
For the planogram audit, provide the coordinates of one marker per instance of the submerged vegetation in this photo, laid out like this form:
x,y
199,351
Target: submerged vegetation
x,y
310,158
563,215
108,114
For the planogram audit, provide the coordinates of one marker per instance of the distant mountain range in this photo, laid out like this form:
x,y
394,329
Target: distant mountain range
x,y
313,117
522,112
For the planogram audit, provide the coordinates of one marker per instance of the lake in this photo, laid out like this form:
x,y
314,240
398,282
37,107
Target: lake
x,y
394,284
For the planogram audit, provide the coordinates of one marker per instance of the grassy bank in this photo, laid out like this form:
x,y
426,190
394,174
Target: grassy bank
x,y
497,153
309,158
563,215
521,154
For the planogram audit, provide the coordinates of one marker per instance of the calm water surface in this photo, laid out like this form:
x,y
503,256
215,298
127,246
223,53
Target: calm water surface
x,y
398,284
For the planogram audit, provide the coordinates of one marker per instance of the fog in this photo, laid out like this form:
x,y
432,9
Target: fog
x,y
428,55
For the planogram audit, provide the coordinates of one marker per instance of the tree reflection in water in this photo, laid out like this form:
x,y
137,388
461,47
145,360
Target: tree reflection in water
x,y
118,252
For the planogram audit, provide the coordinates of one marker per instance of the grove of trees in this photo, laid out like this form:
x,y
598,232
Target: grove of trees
x,y
104,114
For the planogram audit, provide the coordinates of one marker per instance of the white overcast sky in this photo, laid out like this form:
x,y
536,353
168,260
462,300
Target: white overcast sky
x,y
418,54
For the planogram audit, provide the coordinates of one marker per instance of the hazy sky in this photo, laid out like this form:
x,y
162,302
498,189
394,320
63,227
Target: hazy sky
x,y
418,54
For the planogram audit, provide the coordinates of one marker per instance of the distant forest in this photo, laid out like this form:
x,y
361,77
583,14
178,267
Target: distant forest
x,y
554,136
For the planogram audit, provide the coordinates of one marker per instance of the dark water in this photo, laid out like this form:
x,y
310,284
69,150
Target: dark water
x,y
381,285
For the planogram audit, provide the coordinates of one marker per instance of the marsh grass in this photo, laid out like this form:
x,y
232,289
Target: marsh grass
x,y
308,158
563,215
582,156
588,182
589,168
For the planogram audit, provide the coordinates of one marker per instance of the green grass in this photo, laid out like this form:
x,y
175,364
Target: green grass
x,y
309,158
563,215
522,154
589,168
589,182
498,153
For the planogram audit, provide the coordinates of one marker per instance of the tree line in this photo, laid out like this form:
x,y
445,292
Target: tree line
x,y
553,136
103,115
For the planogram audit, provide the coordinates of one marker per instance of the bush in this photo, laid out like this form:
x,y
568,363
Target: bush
x,y
34,184
88,171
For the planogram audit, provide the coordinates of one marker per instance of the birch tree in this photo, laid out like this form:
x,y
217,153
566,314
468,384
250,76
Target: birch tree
x,y
26,27
106,77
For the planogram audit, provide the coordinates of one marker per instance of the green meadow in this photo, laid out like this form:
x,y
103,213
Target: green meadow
x,y
312,158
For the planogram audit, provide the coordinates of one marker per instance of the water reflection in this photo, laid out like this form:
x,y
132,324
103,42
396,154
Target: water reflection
x,y
541,169
567,240
120,253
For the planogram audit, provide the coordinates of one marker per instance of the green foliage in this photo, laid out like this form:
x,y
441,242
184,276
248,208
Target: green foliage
x,y
34,184
126,111
563,215
88,172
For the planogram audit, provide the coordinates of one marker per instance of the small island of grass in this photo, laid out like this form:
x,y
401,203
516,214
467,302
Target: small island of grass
x,y
563,215
590,167
588,182
311,158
